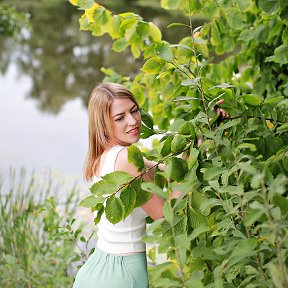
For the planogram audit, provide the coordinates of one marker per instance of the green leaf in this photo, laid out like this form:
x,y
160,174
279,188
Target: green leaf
x,y
217,275
261,33
119,177
99,215
135,157
166,149
252,99
135,50
285,35
152,254
141,196
215,34
249,146
183,244
187,128
191,82
170,4
252,216
193,156
185,98
206,253
120,45
244,249
91,201
113,28
277,274
208,204
164,51
153,188
199,41
146,132
177,168
198,231
210,173
83,4
100,16
222,86
197,199
128,198
154,65
178,143
103,187
236,19
281,202
155,33
127,24
270,7
115,210
168,212
227,125
196,219
147,119
232,190
281,54
175,126
182,46
177,24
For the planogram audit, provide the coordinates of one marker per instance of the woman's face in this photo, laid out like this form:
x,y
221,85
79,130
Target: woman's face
x,y
126,121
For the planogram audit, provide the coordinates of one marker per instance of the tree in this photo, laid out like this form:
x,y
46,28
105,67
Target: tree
x,y
11,21
229,228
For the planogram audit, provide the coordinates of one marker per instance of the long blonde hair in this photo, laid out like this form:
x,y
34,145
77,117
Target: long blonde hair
x,y
99,123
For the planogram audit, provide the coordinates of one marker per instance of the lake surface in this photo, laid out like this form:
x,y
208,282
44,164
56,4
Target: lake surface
x,y
46,78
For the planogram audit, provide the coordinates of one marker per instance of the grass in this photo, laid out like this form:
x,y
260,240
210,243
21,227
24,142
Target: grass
x,y
39,236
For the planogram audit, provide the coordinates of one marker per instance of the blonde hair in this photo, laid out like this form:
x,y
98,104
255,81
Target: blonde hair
x,y
99,123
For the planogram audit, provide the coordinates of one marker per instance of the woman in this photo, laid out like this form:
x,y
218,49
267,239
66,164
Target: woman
x,y
119,259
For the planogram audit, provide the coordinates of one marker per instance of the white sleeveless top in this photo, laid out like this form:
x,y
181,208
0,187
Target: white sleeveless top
x,y
125,236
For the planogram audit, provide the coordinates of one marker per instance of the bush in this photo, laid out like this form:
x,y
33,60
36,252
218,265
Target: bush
x,y
229,228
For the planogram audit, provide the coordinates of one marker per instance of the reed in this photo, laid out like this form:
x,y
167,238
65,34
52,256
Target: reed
x,y
39,237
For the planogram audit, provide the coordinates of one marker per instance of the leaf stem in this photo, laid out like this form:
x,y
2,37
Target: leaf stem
x,y
150,168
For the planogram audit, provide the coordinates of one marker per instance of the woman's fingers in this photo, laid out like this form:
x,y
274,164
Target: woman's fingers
x,y
219,110
220,102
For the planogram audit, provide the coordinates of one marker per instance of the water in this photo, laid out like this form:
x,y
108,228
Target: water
x,y
45,81
37,140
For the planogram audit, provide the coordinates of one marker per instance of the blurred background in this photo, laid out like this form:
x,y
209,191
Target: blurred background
x,y
47,72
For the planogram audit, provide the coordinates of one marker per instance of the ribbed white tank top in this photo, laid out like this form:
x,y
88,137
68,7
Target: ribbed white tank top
x,y
125,236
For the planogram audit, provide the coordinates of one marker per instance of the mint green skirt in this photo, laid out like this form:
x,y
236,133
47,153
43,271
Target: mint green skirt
x,y
104,270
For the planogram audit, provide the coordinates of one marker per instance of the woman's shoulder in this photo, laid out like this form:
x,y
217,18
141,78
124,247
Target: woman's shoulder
x,y
122,163
122,158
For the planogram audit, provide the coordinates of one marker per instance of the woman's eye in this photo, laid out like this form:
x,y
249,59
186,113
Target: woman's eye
x,y
134,111
119,119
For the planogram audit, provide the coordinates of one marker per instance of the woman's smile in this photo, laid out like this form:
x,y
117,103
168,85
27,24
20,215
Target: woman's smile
x,y
134,131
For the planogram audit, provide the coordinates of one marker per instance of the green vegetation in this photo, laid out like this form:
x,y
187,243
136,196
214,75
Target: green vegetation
x,y
11,21
229,228
39,238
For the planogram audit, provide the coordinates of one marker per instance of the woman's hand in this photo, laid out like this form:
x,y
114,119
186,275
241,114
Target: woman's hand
x,y
221,112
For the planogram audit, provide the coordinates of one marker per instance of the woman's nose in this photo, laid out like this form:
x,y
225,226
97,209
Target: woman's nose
x,y
131,120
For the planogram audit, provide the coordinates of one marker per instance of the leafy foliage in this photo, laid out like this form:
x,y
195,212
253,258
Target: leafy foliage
x,y
11,21
229,227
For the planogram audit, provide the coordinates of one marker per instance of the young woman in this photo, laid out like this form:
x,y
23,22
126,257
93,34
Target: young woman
x,y
119,260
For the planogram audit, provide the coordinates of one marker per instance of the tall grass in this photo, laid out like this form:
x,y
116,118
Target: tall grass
x,y
38,237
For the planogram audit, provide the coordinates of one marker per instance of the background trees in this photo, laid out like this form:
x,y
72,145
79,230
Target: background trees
x,y
229,229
